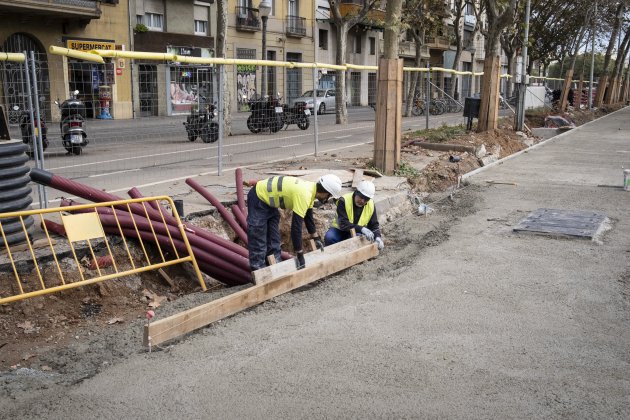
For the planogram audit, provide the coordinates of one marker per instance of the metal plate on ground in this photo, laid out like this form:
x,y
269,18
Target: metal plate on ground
x,y
570,223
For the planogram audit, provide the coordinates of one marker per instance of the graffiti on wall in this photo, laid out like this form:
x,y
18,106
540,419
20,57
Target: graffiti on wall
x,y
245,85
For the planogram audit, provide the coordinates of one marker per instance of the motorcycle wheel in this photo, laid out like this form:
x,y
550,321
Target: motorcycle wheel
x,y
212,133
276,124
252,124
192,136
303,123
75,150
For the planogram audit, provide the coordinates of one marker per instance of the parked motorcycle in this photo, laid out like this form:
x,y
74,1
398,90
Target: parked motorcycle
x,y
298,114
266,115
26,129
200,122
73,125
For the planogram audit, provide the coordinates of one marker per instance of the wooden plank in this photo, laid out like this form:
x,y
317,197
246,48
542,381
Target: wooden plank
x,y
357,177
288,266
177,325
271,259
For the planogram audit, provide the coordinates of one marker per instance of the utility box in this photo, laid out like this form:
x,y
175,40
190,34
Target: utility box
x,y
471,107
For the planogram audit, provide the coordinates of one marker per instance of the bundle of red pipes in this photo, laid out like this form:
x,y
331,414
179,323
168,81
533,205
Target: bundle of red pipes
x,y
226,261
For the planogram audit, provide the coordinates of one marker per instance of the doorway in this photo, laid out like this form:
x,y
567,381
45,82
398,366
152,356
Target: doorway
x,y
148,90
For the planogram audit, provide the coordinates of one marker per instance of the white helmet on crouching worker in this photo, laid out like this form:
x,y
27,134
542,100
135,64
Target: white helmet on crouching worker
x,y
366,188
332,184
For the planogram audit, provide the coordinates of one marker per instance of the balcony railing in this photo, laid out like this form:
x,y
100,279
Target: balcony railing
x,y
61,8
247,19
408,49
437,42
296,26
374,18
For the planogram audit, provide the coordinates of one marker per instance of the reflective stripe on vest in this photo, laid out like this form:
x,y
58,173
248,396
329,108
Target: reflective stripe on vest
x,y
366,215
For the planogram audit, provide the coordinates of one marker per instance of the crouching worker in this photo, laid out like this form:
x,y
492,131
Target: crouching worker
x,y
263,218
356,210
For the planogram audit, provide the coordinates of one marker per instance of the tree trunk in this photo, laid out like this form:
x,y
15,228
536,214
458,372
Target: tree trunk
x,y
603,80
413,78
510,65
617,72
222,18
341,110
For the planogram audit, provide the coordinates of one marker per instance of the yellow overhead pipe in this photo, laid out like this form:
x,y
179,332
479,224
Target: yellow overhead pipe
x,y
76,54
17,57
134,54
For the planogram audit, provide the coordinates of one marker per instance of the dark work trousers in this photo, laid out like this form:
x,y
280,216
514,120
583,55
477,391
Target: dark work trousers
x,y
263,231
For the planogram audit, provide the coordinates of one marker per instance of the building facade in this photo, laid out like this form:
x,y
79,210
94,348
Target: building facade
x,y
34,25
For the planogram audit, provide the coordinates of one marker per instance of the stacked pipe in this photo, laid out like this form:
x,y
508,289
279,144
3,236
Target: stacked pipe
x,y
224,260
238,220
15,193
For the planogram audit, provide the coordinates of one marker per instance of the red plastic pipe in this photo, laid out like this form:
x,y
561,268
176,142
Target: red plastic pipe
x,y
222,210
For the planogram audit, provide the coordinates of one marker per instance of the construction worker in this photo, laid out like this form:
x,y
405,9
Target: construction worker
x,y
263,218
356,211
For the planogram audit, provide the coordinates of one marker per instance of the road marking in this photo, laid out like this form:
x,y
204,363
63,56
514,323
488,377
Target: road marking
x,y
114,173
291,145
343,137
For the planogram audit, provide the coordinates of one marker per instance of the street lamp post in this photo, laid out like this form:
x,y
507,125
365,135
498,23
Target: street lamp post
x,y
264,8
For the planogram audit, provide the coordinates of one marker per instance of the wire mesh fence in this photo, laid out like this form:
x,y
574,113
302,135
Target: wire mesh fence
x,y
127,122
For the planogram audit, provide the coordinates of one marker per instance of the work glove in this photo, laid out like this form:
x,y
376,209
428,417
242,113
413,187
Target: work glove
x,y
368,234
299,261
318,243
380,244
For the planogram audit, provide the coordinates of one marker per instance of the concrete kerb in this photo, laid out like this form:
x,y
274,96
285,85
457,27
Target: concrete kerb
x,y
535,146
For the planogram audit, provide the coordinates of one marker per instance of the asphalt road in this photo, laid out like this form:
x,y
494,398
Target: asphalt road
x,y
150,151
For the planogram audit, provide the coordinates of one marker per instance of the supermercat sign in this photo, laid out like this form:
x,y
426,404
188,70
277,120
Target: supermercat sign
x,y
88,45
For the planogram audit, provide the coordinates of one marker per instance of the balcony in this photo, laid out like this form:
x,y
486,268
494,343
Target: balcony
x,y
296,26
407,49
437,42
375,17
67,9
247,19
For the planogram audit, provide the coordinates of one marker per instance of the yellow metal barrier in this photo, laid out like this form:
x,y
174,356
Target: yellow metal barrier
x,y
87,225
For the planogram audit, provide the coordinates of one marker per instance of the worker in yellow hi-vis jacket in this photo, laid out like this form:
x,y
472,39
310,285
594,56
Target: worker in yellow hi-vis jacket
x,y
356,211
263,218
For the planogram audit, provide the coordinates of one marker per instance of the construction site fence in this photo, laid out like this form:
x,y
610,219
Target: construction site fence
x,y
97,245
151,110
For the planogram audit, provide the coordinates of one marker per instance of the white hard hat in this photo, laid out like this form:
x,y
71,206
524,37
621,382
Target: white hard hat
x,y
332,184
366,188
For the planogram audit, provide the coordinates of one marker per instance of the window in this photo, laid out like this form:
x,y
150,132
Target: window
x,y
357,44
201,16
201,27
154,21
323,39
372,45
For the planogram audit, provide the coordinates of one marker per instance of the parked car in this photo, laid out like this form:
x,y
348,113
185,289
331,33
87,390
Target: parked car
x,y
325,100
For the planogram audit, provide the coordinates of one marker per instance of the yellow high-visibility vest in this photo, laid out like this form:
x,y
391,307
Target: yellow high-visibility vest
x,y
366,215
287,192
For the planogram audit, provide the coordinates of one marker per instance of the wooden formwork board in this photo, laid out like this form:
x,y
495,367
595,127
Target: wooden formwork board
x,y
282,277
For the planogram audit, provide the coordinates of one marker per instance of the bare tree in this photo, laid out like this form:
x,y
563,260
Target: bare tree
x,y
603,80
343,24
222,17
500,14
420,17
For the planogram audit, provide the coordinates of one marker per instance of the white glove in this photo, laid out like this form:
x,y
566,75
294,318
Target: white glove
x,y
368,234
380,244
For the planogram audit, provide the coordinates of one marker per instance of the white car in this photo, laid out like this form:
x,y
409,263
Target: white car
x,y
325,100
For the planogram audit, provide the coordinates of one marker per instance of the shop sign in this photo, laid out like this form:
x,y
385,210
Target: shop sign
x,y
90,44
119,71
